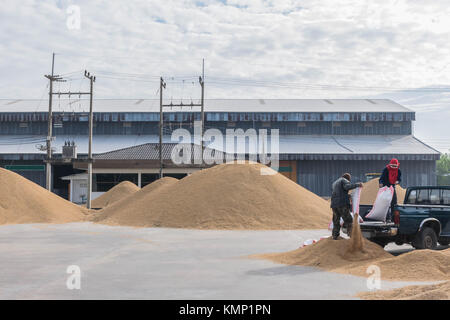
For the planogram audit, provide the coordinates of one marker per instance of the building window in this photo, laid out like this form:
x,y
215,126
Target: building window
x,y
147,178
336,124
368,125
301,124
127,124
231,124
266,124
396,125
102,182
23,125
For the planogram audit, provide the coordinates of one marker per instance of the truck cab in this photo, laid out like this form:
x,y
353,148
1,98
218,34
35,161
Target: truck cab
x,y
423,220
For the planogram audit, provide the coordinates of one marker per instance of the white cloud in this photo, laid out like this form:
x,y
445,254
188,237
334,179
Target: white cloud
x,y
353,43
393,43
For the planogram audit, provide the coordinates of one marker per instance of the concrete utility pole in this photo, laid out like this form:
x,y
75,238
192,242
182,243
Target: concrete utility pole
x,y
202,113
51,78
171,105
162,85
91,125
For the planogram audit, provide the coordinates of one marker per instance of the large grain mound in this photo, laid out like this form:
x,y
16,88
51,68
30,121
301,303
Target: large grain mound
x,y
226,196
370,190
337,256
120,191
23,201
439,291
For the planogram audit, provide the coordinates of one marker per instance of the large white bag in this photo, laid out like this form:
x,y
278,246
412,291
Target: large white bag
x,y
356,196
382,203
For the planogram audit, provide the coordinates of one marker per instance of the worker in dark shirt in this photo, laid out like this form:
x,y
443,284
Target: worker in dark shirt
x,y
340,204
391,176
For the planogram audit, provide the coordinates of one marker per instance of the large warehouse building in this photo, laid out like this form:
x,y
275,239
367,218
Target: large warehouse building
x,y
319,139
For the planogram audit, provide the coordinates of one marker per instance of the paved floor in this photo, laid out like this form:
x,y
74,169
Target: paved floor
x,y
158,263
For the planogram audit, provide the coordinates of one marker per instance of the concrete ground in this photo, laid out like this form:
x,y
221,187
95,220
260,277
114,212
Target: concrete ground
x,y
160,263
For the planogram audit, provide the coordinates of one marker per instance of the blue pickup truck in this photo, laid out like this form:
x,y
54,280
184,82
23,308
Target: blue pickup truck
x,y
423,220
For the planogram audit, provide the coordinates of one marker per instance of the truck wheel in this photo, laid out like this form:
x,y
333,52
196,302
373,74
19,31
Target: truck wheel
x,y
425,239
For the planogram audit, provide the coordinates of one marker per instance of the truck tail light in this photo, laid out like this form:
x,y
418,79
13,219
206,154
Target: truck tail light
x,y
397,217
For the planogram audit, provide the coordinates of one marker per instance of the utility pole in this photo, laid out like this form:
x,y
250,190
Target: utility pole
x,y
51,78
171,105
162,85
202,113
91,125
202,83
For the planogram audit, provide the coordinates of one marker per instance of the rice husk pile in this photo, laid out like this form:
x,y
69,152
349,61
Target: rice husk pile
x,y
23,201
370,190
118,192
226,196
337,256
440,291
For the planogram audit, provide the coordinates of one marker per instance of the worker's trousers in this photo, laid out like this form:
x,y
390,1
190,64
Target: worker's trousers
x,y
344,213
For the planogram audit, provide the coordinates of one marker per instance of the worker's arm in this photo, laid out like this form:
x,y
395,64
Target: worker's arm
x,y
346,185
384,177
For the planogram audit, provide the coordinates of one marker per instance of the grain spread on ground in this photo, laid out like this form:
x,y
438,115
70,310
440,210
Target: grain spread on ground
x,y
336,256
226,196
370,190
116,193
440,291
23,201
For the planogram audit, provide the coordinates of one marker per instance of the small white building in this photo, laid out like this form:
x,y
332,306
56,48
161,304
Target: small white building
x,y
77,187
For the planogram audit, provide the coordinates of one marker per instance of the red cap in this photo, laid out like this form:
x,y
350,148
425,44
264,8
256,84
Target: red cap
x,y
394,162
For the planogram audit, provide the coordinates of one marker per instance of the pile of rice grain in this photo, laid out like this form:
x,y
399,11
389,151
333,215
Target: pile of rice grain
x,y
337,256
23,201
226,196
440,291
116,193
138,199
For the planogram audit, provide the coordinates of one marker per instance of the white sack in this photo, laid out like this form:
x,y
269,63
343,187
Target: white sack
x,y
382,203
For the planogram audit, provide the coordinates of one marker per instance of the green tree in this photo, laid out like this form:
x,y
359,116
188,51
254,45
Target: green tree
x,y
443,170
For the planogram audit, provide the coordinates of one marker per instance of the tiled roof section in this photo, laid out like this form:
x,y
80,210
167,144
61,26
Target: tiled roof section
x,y
150,151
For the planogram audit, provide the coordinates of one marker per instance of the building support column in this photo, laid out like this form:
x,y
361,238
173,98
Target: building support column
x,y
139,179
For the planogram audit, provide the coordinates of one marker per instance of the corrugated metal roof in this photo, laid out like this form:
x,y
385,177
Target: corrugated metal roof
x,y
211,105
298,144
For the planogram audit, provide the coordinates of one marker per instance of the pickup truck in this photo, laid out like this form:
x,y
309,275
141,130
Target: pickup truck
x,y
423,220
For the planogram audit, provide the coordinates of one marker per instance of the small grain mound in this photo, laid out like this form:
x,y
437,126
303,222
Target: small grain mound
x,y
417,265
23,201
226,196
439,291
120,211
337,256
118,192
329,254
370,190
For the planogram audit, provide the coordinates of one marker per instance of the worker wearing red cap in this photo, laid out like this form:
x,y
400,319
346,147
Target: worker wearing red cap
x,y
391,176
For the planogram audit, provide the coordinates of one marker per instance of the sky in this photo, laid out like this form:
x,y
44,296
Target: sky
x,y
326,49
